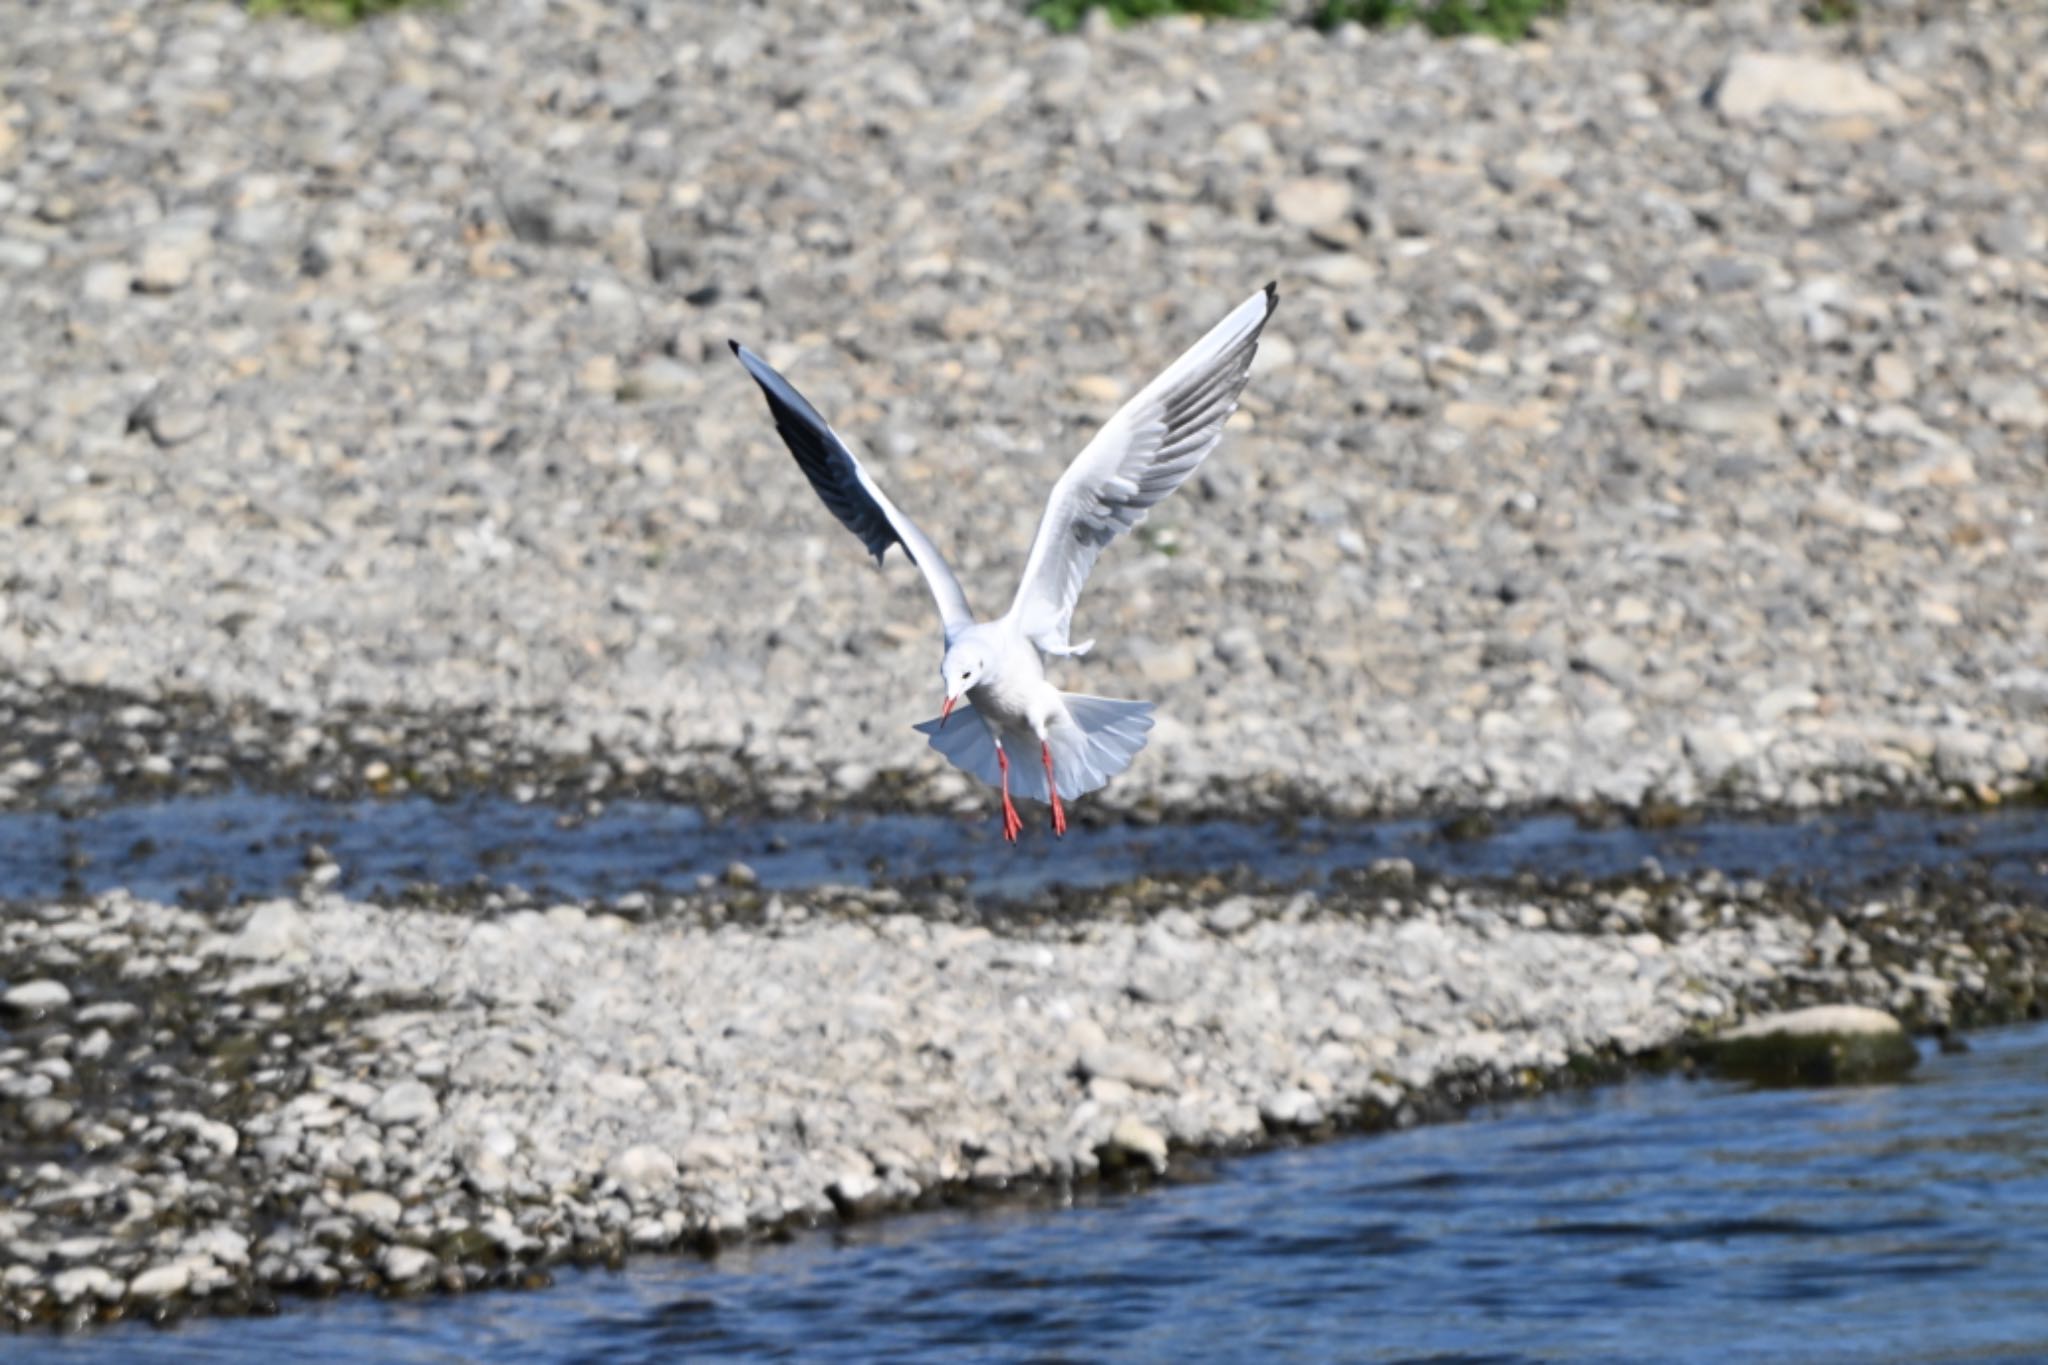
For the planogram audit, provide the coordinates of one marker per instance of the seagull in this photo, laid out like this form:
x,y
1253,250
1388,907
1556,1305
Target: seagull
x,y
1146,451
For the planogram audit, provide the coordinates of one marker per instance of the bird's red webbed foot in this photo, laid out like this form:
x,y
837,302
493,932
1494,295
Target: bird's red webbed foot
x,y
1013,823
1052,788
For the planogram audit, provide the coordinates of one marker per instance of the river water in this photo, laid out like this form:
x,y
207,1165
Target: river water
x,y
244,844
1656,1220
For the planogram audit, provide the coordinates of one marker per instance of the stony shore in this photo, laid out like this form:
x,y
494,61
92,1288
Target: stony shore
x,y
1644,420
1655,417
331,1095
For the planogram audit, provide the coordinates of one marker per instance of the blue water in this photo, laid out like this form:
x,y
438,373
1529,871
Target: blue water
x,y
245,844
1658,1220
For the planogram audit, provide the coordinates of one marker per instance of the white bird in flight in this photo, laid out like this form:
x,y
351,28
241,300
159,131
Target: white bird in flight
x,y
1144,452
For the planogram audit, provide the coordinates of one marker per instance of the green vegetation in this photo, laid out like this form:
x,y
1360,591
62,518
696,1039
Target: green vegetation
x,y
1507,20
335,12
1066,15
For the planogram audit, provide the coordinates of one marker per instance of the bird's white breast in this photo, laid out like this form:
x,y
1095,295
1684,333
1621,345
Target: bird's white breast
x,y
1016,694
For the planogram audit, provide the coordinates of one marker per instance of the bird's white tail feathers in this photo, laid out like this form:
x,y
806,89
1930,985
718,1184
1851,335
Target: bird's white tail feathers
x,y
1098,741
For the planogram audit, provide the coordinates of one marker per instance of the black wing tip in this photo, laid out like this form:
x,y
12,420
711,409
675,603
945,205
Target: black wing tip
x,y
737,348
1272,295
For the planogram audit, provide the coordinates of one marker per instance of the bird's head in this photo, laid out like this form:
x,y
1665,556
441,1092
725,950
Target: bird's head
x,y
965,664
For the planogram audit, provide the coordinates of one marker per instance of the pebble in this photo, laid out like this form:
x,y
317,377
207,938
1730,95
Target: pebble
x,y
272,930
46,1115
34,997
84,1281
1290,1108
404,1102
404,1264
658,380
106,282
1131,1065
642,1170
169,260
1232,916
16,254
1313,202
1132,1139
161,1281
2012,403
375,1207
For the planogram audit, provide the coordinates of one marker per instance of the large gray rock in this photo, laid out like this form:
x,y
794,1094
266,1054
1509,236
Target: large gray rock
x,y
1821,1045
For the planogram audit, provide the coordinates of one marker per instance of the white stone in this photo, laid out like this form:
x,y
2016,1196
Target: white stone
x,y
2012,403
106,282
1831,503
72,1285
273,930
1231,917
404,1264
1780,702
161,1281
1133,1138
374,1206
1132,1065
309,58
219,1243
1312,202
1818,1021
405,1102
1291,1108
1717,748
855,1190
642,1170
1756,83
170,258
34,996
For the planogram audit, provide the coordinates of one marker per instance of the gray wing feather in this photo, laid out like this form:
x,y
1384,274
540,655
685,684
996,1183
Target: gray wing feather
x,y
849,494
1144,452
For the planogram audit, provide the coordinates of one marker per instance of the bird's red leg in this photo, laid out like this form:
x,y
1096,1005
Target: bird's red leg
x,y
1059,813
1013,824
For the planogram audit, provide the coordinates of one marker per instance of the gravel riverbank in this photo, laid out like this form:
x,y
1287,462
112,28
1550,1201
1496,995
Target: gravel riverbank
x,y
339,1095
1617,440
1654,415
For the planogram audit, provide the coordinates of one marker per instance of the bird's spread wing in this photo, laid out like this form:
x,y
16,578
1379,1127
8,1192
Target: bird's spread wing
x,y
847,490
1145,452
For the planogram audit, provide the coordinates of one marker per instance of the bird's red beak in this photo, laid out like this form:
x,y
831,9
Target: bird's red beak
x,y
946,710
